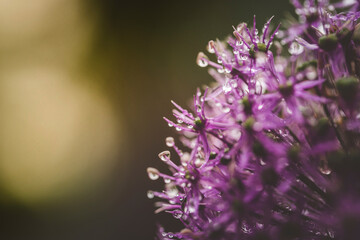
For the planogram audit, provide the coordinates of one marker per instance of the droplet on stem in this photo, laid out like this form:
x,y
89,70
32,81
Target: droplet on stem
x,y
153,173
150,194
170,141
202,60
165,155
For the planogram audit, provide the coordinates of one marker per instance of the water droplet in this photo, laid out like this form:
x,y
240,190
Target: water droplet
x,y
311,74
331,7
170,141
202,60
239,43
295,48
190,126
312,10
219,61
220,70
165,155
178,129
185,157
211,46
227,87
167,180
256,31
244,57
331,234
177,215
150,194
228,69
220,134
153,173
191,207
170,125
226,109
179,120
233,83
172,191
324,168
259,225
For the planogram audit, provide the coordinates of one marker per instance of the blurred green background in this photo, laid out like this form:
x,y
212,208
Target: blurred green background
x,y
84,85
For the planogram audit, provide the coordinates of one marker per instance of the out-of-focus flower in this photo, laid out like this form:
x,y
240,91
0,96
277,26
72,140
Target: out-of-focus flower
x,y
272,148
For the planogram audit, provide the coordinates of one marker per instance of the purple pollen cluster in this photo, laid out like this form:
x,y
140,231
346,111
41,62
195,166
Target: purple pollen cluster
x,y
271,149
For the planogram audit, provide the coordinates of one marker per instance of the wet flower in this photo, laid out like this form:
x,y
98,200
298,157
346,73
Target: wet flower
x,y
271,149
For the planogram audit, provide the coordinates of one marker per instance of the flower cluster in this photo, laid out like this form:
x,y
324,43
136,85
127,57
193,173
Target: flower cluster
x,y
271,149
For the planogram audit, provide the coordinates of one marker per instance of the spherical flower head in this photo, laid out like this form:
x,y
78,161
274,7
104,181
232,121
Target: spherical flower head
x,y
270,150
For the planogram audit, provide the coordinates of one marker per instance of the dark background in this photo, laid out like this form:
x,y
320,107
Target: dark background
x,y
142,55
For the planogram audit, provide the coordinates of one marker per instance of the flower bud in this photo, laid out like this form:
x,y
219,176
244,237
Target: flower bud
x,y
328,42
348,87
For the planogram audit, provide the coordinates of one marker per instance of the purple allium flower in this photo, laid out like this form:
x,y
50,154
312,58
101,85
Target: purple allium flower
x,y
271,150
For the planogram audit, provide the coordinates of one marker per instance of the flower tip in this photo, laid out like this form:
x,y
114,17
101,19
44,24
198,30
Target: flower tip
x,y
153,173
164,155
202,59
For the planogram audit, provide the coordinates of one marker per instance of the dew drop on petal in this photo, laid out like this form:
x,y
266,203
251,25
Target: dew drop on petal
x,y
324,169
295,48
202,60
178,129
172,191
311,74
226,109
233,83
227,87
191,207
165,155
153,173
220,70
170,141
239,43
177,215
150,194
211,46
